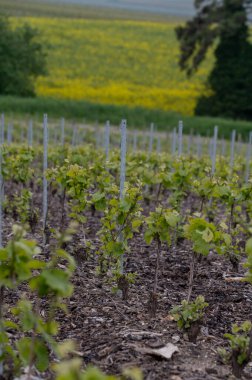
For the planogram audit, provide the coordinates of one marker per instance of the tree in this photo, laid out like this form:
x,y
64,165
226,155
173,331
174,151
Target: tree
x,y
222,24
22,59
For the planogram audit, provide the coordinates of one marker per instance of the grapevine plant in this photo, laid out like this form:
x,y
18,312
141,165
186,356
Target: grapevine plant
x,y
20,264
204,237
18,169
239,352
161,226
74,182
189,316
122,218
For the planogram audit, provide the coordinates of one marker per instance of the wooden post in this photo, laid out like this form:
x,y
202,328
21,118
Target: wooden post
x,y
62,127
233,136
123,173
2,130
151,138
45,166
107,139
214,149
158,145
30,134
135,142
180,138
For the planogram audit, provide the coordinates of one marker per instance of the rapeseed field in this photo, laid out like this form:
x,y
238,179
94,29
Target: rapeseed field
x,y
119,62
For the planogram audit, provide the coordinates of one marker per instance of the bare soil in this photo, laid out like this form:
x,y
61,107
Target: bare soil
x,y
112,334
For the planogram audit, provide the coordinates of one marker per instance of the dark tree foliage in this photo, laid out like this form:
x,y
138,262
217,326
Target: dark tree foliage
x,y
230,82
22,59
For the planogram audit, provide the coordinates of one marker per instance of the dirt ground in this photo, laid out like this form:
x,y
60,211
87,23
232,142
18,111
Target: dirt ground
x,y
113,334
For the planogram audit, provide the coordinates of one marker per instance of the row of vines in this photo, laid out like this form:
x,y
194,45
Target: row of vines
x,y
47,196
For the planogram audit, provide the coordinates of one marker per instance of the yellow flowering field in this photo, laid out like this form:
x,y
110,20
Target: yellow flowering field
x,y
120,62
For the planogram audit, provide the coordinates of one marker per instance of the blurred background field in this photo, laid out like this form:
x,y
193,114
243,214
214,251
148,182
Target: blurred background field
x,y
109,64
120,61
132,63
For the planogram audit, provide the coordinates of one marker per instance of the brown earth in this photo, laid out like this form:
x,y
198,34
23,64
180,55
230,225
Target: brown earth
x,y
112,334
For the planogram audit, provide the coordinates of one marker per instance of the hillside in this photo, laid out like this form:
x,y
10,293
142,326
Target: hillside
x,y
183,8
131,63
